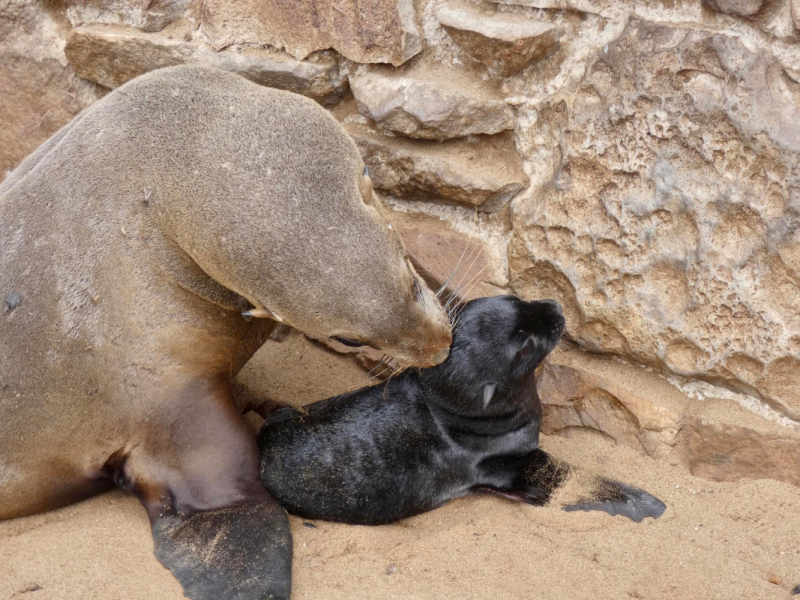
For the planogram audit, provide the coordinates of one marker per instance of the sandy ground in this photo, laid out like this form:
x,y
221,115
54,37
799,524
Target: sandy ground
x,y
715,541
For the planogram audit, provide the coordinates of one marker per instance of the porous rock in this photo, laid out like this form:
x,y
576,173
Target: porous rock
x,y
481,171
365,31
111,55
668,237
505,43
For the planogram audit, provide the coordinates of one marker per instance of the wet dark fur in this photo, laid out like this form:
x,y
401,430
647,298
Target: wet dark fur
x,y
425,437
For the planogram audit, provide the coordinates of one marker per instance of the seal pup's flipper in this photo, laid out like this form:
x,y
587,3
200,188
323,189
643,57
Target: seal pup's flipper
x,y
617,498
540,479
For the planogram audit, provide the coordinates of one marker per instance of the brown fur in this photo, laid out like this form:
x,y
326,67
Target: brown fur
x,y
135,237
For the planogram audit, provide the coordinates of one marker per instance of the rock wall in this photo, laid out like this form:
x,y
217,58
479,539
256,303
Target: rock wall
x,y
635,160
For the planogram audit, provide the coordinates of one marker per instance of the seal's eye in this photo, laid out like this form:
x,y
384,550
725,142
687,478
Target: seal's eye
x,y
349,342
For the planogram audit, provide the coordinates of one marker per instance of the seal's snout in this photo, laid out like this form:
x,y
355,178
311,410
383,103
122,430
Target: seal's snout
x,y
544,318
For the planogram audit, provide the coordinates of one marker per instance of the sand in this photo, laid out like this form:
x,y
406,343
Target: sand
x,y
715,541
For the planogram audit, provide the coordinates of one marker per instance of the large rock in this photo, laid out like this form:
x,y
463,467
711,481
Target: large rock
x,y
38,98
669,237
505,43
727,443
481,171
365,31
111,55
430,101
467,266
635,408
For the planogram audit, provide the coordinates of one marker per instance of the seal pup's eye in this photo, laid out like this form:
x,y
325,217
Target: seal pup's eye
x,y
349,342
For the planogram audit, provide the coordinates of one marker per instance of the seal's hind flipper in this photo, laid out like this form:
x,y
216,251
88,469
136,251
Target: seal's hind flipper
x,y
617,498
531,478
242,552
536,478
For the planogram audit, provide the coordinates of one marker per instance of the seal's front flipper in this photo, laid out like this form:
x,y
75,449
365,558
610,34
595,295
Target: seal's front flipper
x,y
237,553
617,498
215,526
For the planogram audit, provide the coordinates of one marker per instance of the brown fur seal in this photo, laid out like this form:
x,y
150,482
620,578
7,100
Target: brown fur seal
x,y
131,243
468,425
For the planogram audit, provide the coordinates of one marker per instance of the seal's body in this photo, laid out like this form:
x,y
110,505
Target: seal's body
x,y
470,424
131,243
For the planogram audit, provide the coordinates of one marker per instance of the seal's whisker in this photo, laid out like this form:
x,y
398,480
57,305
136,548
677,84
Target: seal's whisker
x,y
376,367
455,270
454,295
474,251
461,294
475,281
378,376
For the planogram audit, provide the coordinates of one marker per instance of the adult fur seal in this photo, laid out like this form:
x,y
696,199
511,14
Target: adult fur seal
x,y
470,424
131,243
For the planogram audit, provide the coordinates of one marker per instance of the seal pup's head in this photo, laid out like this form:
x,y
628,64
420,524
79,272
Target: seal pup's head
x,y
497,344
270,197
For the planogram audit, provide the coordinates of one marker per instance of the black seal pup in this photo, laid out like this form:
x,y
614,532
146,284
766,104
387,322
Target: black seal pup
x,y
470,424
131,243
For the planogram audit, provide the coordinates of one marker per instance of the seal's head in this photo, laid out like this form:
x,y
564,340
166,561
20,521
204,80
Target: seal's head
x,y
497,344
280,209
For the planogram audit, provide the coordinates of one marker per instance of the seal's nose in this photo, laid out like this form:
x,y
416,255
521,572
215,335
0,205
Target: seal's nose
x,y
441,356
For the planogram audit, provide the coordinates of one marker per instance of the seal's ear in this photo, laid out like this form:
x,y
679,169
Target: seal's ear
x,y
365,187
488,393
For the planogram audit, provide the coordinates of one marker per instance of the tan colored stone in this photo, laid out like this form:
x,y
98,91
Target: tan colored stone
x,y
481,171
625,403
599,7
430,101
38,98
147,15
739,8
727,443
438,252
366,31
795,12
669,237
112,55
505,43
